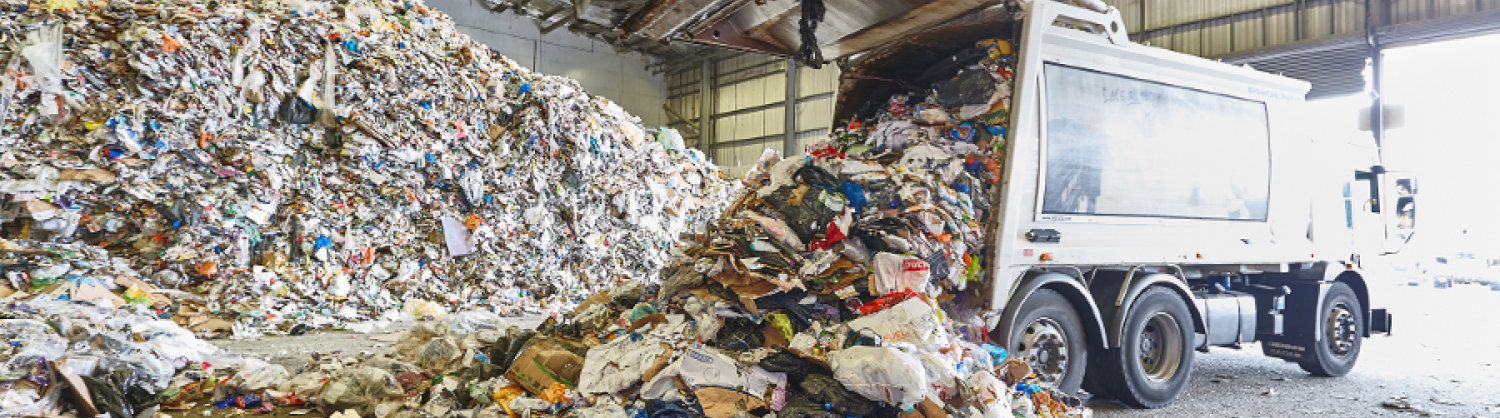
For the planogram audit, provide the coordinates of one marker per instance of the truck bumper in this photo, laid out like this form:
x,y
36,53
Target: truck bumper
x,y
1380,322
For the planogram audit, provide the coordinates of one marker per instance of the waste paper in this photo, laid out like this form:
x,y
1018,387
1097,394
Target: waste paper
x,y
324,163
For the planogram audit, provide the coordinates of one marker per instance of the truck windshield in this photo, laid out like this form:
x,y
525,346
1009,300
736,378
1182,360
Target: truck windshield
x,y
1122,146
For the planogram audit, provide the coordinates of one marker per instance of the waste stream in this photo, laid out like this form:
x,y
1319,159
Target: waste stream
x,y
284,165
318,164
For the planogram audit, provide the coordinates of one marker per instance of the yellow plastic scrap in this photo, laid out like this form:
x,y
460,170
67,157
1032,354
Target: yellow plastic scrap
x,y
136,295
505,395
997,47
782,323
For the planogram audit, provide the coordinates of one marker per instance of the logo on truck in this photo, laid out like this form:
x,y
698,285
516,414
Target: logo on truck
x,y
1271,94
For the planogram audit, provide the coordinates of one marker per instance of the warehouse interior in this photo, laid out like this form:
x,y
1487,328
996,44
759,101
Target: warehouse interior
x,y
748,208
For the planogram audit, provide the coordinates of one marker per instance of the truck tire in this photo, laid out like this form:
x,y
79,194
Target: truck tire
x,y
1049,332
1337,348
1155,360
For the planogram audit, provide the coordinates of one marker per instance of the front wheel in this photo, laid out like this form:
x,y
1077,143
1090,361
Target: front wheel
x,y
1049,333
1155,360
1343,332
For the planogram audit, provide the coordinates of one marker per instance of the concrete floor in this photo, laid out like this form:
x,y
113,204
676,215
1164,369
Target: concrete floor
x,y
1444,356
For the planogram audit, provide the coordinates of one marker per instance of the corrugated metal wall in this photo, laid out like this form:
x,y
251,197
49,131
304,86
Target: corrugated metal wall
x,y
1404,11
682,98
815,100
1223,27
749,111
748,107
1216,28
1321,41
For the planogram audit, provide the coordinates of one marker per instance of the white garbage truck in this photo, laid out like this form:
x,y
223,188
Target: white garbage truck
x,y
1152,204
1155,204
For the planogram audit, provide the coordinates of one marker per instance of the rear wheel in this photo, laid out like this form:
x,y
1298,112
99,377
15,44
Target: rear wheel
x,y
1155,358
1338,345
1049,333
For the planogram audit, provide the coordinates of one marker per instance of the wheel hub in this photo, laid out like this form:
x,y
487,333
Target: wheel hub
x,y
1161,347
1341,330
1044,343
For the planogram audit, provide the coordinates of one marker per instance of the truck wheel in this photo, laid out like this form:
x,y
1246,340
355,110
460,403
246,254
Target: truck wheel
x,y
1155,360
1050,334
1343,331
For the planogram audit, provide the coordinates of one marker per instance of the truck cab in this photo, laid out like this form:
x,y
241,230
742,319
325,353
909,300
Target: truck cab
x,y
1151,205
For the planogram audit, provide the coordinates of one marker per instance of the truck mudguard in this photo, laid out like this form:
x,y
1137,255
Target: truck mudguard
x,y
1134,289
1069,287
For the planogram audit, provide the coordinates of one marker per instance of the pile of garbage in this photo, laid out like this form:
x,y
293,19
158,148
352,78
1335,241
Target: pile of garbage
x,y
319,162
89,359
843,283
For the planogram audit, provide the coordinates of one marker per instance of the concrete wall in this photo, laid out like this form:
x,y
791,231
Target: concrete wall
x,y
603,72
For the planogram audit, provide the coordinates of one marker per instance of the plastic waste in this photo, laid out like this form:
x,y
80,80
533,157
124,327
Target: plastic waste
x,y
881,373
359,389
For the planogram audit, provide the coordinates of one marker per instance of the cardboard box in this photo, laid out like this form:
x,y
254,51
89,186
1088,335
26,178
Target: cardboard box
x,y
546,363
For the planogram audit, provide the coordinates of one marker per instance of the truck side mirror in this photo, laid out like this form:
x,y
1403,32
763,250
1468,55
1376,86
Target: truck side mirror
x,y
1393,117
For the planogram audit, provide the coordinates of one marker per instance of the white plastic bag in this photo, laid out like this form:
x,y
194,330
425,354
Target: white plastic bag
x,y
670,139
45,56
913,321
990,391
258,375
882,374
942,373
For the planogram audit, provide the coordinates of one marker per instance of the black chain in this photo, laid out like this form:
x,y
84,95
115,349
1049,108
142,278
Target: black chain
x,y
812,14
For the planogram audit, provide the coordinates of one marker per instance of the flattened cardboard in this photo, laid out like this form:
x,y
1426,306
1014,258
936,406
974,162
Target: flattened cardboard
x,y
80,392
725,403
544,364
94,175
34,207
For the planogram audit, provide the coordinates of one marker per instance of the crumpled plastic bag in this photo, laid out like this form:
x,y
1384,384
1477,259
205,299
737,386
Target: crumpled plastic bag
x,y
881,373
795,367
122,392
420,308
824,389
467,322
989,390
942,372
358,388
256,375
439,355
417,337
670,139
304,386
800,406
294,110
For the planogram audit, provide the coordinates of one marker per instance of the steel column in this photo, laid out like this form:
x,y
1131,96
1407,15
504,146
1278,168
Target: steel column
x,y
705,107
789,144
1377,15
